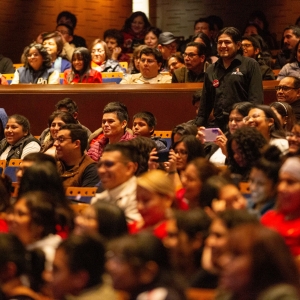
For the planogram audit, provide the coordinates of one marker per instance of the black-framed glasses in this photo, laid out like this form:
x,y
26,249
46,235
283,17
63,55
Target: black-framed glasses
x,y
284,88
61,139
189,55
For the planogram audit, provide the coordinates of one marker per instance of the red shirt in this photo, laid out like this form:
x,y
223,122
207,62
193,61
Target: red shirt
x,y
92,77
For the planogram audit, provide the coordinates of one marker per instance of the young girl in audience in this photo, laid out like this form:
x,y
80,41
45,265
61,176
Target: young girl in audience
x,y
257,265
154,195
18,141
293,138
37,67
286,217
81,71
54,45
138,264
100,58
285,114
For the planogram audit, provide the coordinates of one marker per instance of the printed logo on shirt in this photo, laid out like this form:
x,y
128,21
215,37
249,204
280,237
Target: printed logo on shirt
x,y
42,81
237,72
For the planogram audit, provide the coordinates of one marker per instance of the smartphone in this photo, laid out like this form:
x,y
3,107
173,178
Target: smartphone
x,y
163,156
211,134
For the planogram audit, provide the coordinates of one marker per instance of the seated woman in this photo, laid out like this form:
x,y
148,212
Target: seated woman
x,y
18,141
293,138
263,118
285,114
175,61
243,150
54,45
253,251
134,65
151,37
100,58
292,68
81,71
154,195
56,120
37,67
138,264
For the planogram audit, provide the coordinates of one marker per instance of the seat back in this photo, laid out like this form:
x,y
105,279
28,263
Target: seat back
x,y
9,77
108,77
165,135
14,162
197,294
81,194
2,165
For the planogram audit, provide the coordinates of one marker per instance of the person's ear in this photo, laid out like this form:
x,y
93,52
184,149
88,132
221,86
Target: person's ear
x,y
256,51
131,167
124,124
202,58
270,122
159,66
148,272
75,115
79,281
239,44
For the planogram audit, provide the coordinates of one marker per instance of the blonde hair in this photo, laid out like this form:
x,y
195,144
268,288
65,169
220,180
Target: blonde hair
x,y
157,181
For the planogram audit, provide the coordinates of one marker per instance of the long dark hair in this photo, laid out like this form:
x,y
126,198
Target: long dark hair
x,y
127,24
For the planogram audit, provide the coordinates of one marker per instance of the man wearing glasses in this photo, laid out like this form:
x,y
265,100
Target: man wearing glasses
x,y
74,166
150,65
288,91
194,59
167,45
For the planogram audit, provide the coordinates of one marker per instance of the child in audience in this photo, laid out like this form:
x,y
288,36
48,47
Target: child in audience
x,y
144,125
81,71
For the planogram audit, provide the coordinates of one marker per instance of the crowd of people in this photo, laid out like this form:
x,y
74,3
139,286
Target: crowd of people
x,y
167,215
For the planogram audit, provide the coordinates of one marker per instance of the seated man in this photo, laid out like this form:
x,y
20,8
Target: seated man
x,y
167,45
150,65
75,167
116,170
6,65
78,270
144,124
194,59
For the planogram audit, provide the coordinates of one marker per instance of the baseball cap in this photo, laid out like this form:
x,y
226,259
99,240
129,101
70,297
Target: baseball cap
x,y
166,38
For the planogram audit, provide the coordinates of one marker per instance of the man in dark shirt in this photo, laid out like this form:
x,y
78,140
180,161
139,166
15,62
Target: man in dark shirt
x,y
194,59
231,79
74,166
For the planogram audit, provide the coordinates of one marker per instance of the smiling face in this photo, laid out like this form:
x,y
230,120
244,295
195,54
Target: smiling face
x,y
138,24
98,54
13,131
149,66
112,126
248,49
238,154
290,95
35,59
226,47
181,156
55,127
294,140
77,62
51,46
235,121
151,40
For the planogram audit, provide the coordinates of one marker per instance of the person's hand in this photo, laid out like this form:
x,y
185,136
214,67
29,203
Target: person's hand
x,y
62,37
39,39
221,141
170,165
152,162
115,53
201,135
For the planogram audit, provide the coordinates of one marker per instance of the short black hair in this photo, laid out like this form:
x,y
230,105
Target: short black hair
x,y
152,51
233,32
253,40
148,117
202,50
69,16
85,253
127,150
40,158
69,104
22,121
114,34
204,20
120,109
70,29
295,29
77,133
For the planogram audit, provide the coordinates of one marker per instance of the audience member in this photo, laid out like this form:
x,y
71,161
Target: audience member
x,y
290,37
81,71
18,141
134,30
217,23
285,218
194,58
66,17
252,251
116,170
263,118
78,270
221,90
167,45
114,40
202,38
175,62
181,130
251,48
293,138
104,218
114,123
151,37
285,114
37,67
138,264
75,167
6,65
53,43
100,58
134,66
150,64
66,32
263,180
288,91
292,68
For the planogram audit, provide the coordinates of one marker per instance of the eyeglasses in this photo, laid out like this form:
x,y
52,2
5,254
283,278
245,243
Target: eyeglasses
x,y
254,116
246,45
61,139
284,88
98,51
189,55
171,46
181,152
292,135
150,61
33,54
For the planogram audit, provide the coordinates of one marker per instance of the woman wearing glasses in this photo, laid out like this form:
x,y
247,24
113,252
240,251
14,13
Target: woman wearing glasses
x,y
100,58
81,71
37,67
